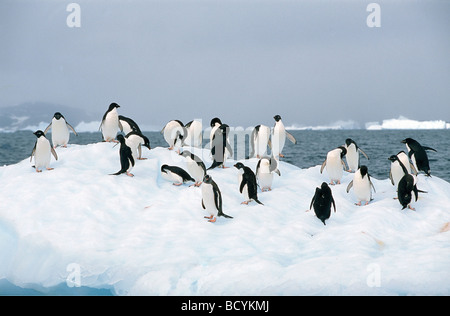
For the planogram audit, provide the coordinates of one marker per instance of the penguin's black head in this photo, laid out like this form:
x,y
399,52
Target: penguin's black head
x,y
239,165
343,151
39,133
277,118
113,105
393,158
120,138
58,115
207,179
163,168
214,121
363,170
324,186
224,128
408,141
349,141
146,141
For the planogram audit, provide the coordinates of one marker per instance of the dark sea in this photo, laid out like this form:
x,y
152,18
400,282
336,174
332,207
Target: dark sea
x,y
311,148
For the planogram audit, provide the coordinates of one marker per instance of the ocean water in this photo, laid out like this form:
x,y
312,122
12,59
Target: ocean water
x,y
310,150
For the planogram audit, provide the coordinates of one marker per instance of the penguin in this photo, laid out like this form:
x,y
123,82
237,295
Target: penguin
x,y
215,124
417,153
322,201
194,134
362,185
126,157
127,125
406,186
220,147
212,199
110,123
264,172
175,174
396,172
174,133
260,139
279,135
247,184
335,164
352,155
60,130
195,167
135,140
42,152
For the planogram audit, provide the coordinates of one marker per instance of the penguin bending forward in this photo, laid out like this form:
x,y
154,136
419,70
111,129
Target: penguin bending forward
x,y
195,167
175,174
212,199
321,201
42,152
264,172
126,157
247,184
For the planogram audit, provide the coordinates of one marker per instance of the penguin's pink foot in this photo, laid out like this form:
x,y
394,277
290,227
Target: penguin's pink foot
x,y
50,168
130,174
213,220
245,202
177,184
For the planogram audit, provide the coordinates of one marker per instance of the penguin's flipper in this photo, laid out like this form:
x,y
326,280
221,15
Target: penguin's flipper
x,y
362,152
71,127
350,185
373,187
429,148
47,128
323,166
217,197
334,205
416,193
413,169
391,178
203,205
54,152
33,151
291,138
243,183
270,144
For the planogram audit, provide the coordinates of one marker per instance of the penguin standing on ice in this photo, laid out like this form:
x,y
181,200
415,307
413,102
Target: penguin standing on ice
x,y
279,135
212,199
194,134
126,157
247,184
42,152
321,201
265,169
127,125
260,139
220,147
135,140
110,124
396,173
417,153
175,174
362,185
352,155
195,167
215,124
334,164
174,133
60,130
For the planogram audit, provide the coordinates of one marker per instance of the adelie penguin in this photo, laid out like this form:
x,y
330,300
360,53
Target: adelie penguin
x,y
175,174
174,134
135,140
260,140
212,199
221,147
127,125
396,172
265,169
352,155
42,152
194,134
279,135
195,167
60,130
418,155
126,157
110,124
334,164
322,201
247,183
362,186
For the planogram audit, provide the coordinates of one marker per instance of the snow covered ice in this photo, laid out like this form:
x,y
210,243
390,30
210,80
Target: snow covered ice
x,y
142,235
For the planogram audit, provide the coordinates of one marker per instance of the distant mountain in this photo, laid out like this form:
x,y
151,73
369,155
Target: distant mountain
x,y
28,115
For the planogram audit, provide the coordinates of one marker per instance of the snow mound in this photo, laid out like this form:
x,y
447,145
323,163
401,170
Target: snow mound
x,y
405,123
141,235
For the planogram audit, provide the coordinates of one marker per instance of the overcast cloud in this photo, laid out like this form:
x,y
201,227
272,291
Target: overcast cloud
x,y
312,62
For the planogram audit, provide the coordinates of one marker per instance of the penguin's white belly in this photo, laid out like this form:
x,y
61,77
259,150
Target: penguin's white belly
x,y
265,180
170,132
396,173
362,188
262,141
194,134
334,168
110,125
352,158
208,199
60,133
278,140
42,154
172,177
195,171
133,142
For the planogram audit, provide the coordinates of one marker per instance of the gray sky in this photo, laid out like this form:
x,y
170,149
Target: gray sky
x,y
313,62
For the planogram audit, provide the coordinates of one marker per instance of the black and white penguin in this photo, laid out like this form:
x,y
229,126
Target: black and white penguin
x,y
221,147
42,152
265,169
135,140
352,155
321,201
247,183
417,153
195,167
212,199
362,185
396,172
127,125
334,164
110,124
214,124
279,135
174,133
175,174
126,157
260,140
60,130
194,135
